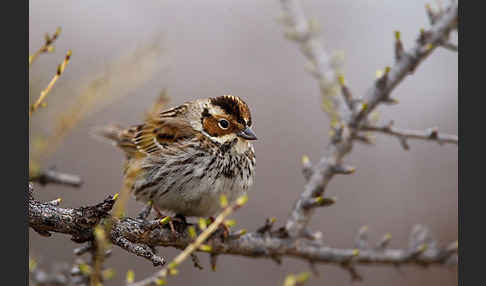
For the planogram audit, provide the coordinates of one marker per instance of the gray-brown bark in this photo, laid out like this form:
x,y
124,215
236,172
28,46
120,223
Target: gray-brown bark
x,y
138,237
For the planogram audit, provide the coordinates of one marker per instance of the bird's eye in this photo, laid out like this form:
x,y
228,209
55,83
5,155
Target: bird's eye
x,y
223,124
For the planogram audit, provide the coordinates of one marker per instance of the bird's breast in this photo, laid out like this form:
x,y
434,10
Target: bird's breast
x,y
191,183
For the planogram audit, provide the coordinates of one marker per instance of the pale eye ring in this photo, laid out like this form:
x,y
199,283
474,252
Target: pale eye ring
x,y
223,124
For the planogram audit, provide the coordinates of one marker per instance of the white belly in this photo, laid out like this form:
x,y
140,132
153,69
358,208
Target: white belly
x,y
195,190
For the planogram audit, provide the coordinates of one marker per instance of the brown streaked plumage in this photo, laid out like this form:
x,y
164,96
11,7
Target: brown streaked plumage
x,y
190,155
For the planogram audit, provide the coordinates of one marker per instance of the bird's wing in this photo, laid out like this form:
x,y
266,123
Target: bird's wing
x,y
152,137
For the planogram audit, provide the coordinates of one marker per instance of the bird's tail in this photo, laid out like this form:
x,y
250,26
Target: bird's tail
x,y
111,132
118,136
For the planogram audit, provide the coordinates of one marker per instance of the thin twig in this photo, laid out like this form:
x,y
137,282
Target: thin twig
x,y
449,46
51,176
321,64
431,134
60,70
47,47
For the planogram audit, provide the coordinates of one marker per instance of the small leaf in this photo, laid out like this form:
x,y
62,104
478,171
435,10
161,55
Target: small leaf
x,y
242,200
305,160
290,280
341,80
205,247
172,265
108,273
32,264
379,73
165,220
397,35
223,201
230,222
173,271
192,232
84,268
202,224
302,277
130,276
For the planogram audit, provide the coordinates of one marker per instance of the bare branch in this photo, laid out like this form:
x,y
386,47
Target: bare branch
x,y
347,130
60,70
410,60
433,17
361,239
306,167
51,176
322,174
267,227
403,135
323,65
80,223
47,47
139,249
449,46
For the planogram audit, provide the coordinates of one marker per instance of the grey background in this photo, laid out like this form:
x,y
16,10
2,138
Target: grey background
x,y
209,48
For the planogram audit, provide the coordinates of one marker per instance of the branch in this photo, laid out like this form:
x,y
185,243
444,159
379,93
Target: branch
x,y
51,176
192,247
322,66
60,70
408,62
47,47
433,17
347,130
62,274
80,224
403,135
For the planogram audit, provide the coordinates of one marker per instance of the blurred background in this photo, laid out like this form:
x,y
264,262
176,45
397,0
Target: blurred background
x,y
126,52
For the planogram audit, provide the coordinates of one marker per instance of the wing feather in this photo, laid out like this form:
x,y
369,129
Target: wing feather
x,y
162,129
160,133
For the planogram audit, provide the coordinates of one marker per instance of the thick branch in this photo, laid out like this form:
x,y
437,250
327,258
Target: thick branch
x,y
80,222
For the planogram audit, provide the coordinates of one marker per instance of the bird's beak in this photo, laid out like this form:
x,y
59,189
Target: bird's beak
x,y
247,134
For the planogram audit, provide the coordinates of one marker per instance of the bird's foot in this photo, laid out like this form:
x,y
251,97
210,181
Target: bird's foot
x,y
223,230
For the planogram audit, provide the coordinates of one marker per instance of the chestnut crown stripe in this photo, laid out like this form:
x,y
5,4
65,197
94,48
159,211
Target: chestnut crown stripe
x,y
233,105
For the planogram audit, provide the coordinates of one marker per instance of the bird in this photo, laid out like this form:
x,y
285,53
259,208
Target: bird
x,y
183,159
